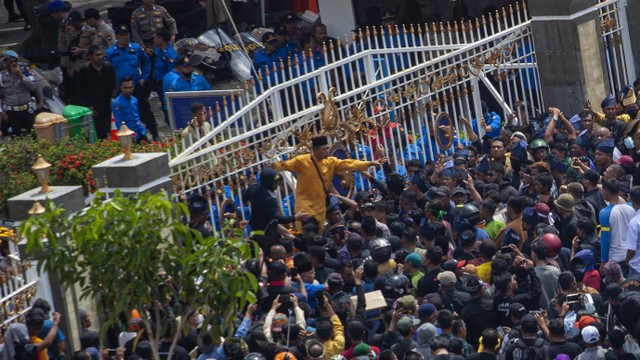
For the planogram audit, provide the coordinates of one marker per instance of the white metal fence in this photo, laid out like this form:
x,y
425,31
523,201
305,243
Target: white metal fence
x,y
388,95
617,43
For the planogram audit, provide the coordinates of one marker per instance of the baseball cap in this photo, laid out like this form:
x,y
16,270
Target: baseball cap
x,y
92,13
426,309
183,61
590,335
406,323
529,322
74,16
625,161
459,190
335,279
408,302
268,37
361,195
122,29
290,17
453,264
414,259
447,278
281,30
367,205
516,309
584,322
443,191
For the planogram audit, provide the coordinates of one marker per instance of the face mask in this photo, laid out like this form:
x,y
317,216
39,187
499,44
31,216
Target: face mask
x,y
628,143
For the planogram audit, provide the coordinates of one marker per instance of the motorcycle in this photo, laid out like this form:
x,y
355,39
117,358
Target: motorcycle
x,y
216,55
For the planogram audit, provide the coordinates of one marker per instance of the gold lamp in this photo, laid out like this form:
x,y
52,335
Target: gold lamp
x,y
126,140
36,209
42,170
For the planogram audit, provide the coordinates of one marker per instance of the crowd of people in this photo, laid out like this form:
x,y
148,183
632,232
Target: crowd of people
x,y
522,245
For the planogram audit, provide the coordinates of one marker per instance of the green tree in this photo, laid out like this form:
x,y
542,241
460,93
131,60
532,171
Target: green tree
x,y
135,253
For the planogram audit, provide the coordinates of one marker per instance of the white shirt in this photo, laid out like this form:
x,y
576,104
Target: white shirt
x,y
620,217
633,243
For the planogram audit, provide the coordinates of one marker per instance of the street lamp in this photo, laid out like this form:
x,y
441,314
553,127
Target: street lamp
x,y
42,169
125,135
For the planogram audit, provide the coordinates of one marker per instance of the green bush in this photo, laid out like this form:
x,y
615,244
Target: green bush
x,y
71,162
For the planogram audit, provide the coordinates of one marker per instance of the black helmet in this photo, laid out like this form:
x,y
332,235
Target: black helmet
x,y
380,250
254,356
395,286
471,214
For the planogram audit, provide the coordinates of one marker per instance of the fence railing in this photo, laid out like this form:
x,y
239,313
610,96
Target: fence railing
x,y
394,107
617,43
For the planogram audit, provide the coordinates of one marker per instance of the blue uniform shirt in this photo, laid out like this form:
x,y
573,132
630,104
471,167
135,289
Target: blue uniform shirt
x,y
492,119
127,110
289,50
262,61
130,61
164,61
175,82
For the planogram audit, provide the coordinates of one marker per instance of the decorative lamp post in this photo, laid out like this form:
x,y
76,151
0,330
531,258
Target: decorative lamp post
x,y
42,170
126,140
36,209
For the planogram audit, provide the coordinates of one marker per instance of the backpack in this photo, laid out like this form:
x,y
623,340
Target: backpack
x,y
25,352
538,351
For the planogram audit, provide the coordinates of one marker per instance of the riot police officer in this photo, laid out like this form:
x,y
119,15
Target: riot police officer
x,y
149,18
130,60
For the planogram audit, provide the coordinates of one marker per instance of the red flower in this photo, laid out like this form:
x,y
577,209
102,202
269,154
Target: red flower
x,y
77,164
59,177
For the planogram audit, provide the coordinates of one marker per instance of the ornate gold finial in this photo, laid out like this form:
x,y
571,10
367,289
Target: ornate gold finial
x,y
125,135
42,169
36,209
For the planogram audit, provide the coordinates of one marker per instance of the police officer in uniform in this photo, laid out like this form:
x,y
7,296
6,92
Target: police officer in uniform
x,y
182,78
149,18
102,34
73,44
16,91
130,60
285,48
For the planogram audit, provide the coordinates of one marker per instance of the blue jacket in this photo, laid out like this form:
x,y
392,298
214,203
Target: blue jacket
x,y
492,119
127,110
129,61
175,82
164,61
